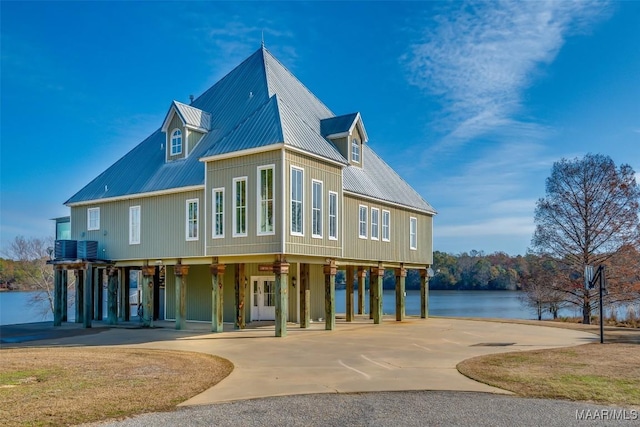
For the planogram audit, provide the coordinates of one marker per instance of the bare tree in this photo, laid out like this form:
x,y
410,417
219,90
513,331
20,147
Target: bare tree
x,y
589,213
540,287
31,256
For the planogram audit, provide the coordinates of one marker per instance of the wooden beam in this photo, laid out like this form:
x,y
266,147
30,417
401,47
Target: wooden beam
x,y
57,297
217,297
112,296
281,270
349,303
330,271
305,296
79,297
375,282
147,295
424,294
362,274
88,294
181,272
240,285
401,274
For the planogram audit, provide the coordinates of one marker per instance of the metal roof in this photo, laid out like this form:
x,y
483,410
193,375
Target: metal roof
x,y
259,103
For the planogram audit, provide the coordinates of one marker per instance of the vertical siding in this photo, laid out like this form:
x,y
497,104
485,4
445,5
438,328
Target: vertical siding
x,y
356,134
397,250
342,144
198,293
220,174
176,123
170,292
316,279
162,227
331,177
193,139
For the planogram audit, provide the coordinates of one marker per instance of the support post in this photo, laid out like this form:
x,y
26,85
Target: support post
x,y
375,282
79,297
349,293
305,296
424,294
147,295
112,296
240,286
57,297
362,274
88,293
98,284
401,275
217,297
181,272
330,271
65,295
281,270
125,288
371,292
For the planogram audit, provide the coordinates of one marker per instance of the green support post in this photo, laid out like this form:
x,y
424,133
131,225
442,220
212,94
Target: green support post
x,y
57,297
424,294
181,272
65,295
377,277
362,274
401,275
147,295
305,296
330,271
88,293
217,297
98,283
281,270
349,293
240,285
112,296
79,297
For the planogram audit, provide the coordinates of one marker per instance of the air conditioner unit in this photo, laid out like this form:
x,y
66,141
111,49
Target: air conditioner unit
x,y
66,249
88,249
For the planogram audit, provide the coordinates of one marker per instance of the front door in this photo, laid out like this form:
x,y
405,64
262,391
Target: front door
x,y
263,298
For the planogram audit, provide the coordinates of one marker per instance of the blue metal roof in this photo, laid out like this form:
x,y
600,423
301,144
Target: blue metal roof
x,y
259,103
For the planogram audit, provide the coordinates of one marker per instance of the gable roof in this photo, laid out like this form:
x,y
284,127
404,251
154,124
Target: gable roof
x,y
258,104
335,127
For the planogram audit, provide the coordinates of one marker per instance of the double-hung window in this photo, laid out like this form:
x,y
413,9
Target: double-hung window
x,y
375,224
240,207
176,142
333,215
192,219
316,208
218,213
362,222
297,201
355,150
413,233
265,200
386,224
93,219
134,225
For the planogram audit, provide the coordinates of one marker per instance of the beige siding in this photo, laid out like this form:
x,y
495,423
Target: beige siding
x,y
331,177
316,279
192,139
176,123
220,174
397,249
356,134
198,298
342,144
162,227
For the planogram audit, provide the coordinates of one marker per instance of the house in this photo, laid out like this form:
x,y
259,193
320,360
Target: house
x,y
244,204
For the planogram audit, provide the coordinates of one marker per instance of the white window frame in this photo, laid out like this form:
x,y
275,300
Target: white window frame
x,y
215,213
316,210
375,226
413,233
301,232
260,201
134,229
333,218
95,226
189,220
172,146
386,237
355,150
234,232
362,224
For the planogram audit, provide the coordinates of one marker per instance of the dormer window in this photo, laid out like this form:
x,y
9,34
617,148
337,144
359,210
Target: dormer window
x,y
355,150
176,142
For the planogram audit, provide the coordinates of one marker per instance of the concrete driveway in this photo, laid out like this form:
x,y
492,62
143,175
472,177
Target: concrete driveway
x,y
412,355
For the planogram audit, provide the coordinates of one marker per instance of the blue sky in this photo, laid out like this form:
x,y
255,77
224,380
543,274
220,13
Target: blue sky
x,y
470,102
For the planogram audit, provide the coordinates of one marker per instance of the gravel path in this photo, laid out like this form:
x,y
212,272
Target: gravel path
x,y
414,408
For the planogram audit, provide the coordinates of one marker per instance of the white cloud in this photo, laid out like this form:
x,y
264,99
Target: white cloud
x,y
479,57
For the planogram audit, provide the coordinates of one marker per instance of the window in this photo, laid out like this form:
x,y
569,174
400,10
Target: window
x,y
192,219
413,233
176,142
355,150
362,229
265,200
386,223
240,207
333,215
93,219
134,225
297,201
375,223
218,213
316,208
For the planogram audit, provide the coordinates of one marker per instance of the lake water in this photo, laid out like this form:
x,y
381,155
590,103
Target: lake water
x,y
15,307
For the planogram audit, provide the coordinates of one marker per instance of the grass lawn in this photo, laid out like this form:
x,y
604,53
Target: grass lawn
x,y
602,373
73,385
